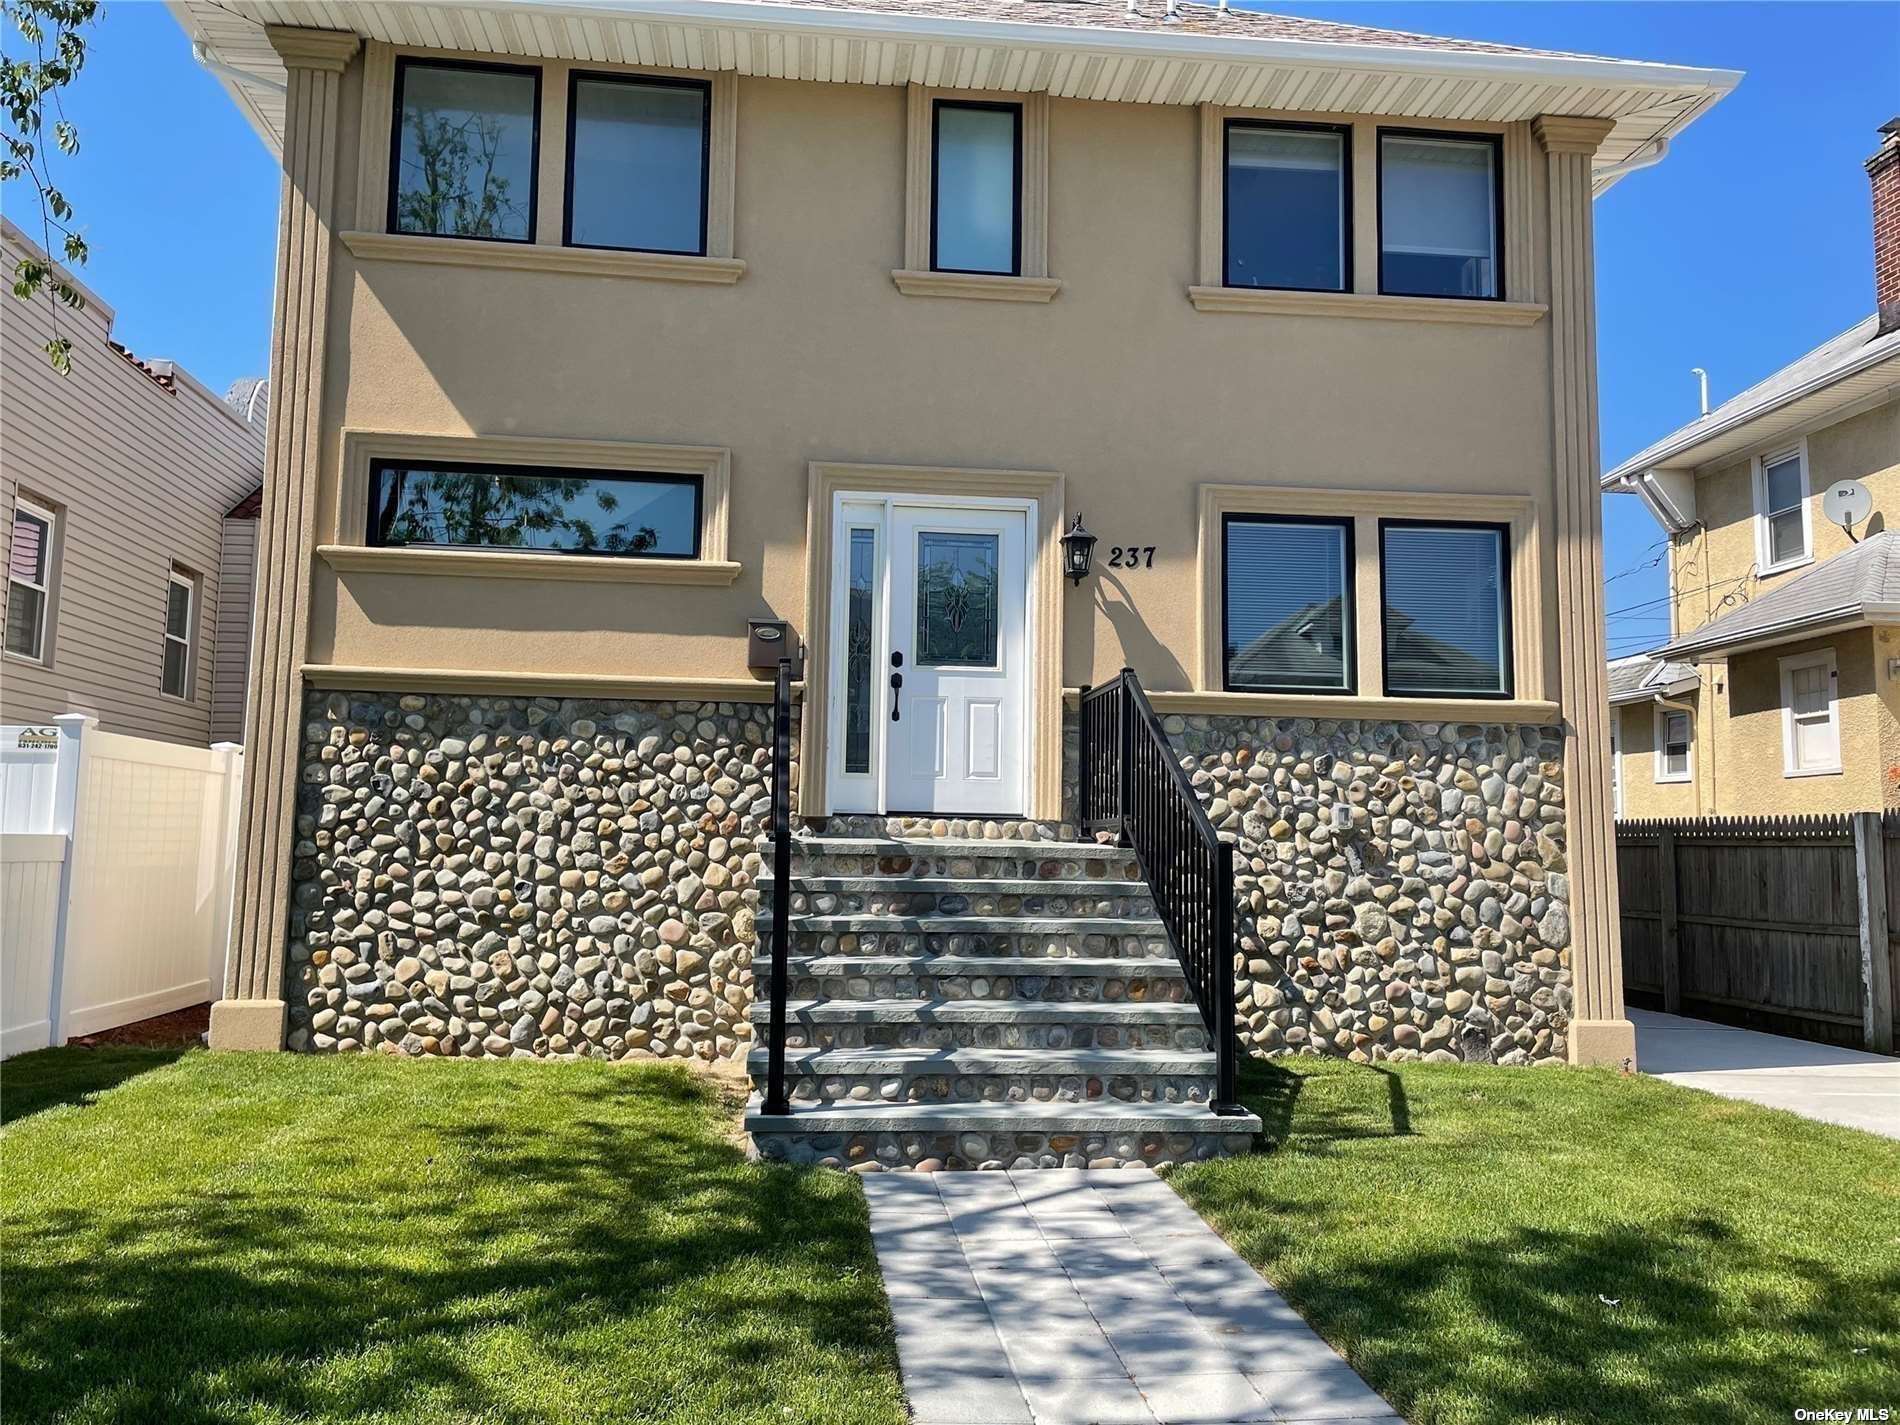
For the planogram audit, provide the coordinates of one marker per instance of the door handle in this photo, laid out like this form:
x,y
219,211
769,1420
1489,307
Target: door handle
x,y
897,682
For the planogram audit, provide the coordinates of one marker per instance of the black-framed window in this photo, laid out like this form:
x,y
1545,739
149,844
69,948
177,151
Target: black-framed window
x,y
976,187
1447,609
639,148
464,150
1286,604
535,508
1287,206
1441,214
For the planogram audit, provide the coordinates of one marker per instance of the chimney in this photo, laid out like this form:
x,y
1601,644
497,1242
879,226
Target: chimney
x,y
1883,171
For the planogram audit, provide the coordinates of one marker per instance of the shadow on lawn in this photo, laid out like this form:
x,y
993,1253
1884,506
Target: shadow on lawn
x,y
47,1078
1273,1092
620,1253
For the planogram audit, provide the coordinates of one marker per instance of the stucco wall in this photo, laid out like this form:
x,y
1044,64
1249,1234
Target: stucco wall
x,y
1119,383
1643,795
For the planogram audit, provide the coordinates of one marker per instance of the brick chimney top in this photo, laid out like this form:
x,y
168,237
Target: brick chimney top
x,y
1883,171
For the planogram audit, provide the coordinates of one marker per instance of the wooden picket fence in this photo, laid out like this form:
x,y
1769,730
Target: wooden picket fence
x,y
1777,923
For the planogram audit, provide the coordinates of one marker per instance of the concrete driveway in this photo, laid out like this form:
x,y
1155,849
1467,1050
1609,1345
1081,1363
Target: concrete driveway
x,y
1817,1081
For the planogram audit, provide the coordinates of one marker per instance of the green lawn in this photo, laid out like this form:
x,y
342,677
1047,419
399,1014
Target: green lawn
x,y
1455,1232
282,1238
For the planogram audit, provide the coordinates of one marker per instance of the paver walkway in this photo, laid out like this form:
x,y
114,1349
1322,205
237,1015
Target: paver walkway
x,y
1071,1297
1818,1081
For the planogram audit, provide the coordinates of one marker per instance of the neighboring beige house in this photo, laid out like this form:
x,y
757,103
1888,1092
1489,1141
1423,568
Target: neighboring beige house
x,y
602,333
1779,689
131,500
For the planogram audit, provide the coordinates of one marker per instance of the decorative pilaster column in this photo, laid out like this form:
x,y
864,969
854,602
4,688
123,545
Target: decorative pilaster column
x,y
252,1013
1600,1032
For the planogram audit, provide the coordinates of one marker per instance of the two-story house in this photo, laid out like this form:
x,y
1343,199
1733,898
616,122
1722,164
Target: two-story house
x,y
1779,689
604,331
132,496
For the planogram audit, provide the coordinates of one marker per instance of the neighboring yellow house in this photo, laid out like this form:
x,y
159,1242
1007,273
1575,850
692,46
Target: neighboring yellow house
x,y
1779,690
604,332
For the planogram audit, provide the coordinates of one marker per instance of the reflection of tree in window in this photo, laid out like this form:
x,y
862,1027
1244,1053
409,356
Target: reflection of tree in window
x,y
956,599
512,511
459,192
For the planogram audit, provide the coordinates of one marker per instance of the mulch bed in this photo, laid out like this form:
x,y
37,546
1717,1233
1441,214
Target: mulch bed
x,y
181,1026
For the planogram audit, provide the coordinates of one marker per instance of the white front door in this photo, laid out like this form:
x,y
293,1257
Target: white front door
x,y
930,656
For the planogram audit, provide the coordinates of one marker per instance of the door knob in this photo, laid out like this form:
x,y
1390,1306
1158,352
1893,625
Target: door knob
x,y
897,688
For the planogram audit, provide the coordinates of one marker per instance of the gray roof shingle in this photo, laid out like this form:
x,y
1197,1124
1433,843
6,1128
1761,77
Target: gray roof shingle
x,y
1862,583
1634,679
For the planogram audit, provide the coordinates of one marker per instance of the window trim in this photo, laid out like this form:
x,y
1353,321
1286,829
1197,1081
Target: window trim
x,y
1616,763
1794,662
575,78
47,591
393,182
177,576
690,478
1349,613
1344,133
1663,776
1496,144
1507,626
1764,534
1013,107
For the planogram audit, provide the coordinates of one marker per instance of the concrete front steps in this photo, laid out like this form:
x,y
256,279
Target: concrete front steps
x,y
971,1004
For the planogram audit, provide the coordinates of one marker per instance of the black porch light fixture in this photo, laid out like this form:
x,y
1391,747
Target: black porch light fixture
x,y
1078,551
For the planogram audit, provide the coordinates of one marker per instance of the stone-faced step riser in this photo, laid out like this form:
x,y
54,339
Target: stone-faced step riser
x,y
1163,987
972,900
927,1087
891,1152
1026,944
1114,866
1165,1038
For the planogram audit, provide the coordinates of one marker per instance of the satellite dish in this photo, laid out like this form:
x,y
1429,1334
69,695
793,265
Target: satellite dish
x,y
1847,503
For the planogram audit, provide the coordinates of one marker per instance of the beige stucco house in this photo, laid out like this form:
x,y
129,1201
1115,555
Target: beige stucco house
x,y
1779,689
132,496
605,331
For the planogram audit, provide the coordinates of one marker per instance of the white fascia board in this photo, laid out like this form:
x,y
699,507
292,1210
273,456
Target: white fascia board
x,y
1837,620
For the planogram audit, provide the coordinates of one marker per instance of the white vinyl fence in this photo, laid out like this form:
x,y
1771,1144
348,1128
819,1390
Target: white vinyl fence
x,y
117,857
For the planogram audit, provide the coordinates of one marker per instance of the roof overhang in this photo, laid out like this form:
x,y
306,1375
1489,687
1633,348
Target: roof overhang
x,y
1660,682
1647,103
1862,383
1817,625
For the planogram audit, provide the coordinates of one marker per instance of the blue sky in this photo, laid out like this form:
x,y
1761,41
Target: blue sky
x,y
1747,247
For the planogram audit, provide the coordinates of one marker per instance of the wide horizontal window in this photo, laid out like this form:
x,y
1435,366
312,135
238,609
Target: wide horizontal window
x,y
1286,208
637,156
562,511
976,188
466,143
1446,615
1438,216
1287,602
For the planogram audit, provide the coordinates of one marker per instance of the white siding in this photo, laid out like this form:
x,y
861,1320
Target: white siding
x,y
142,477
237,567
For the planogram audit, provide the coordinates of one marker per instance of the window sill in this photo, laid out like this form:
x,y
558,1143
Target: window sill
x,y
542,257
499,564
980,286
1673,781
1772,570
1811,772
1456,310
1360,709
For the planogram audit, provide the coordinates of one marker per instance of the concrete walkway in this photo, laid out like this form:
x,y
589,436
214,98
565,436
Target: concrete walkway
x,y
1070,1297
1817,1081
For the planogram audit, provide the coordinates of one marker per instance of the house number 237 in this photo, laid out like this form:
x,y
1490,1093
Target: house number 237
x,y
1131,556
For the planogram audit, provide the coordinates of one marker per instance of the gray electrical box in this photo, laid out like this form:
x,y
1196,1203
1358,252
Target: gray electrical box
x,y
767,641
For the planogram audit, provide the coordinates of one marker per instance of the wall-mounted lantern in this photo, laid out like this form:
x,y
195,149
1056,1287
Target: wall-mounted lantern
x,y
1078,551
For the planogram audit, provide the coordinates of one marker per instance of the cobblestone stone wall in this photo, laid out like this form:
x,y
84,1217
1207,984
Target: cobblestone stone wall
x,y
1403,888
527,876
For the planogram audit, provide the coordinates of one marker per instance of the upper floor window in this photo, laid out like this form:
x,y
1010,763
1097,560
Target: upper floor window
x,y
638,153
1287,617
1810,715
463,156
976,184
1446,616
528,508
29,579
181,602
1287,221
1781,506
1439,215
1674,732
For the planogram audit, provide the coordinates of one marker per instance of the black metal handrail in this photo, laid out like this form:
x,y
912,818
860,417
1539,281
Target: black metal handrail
x,y
775,1101
1133,784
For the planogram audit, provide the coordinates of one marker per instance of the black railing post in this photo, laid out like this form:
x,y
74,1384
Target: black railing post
x,y
1125,756
1082,778
1221,954
775,1102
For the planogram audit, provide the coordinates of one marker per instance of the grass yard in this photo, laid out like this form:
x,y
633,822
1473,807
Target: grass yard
x,y
1455,1232
275,1238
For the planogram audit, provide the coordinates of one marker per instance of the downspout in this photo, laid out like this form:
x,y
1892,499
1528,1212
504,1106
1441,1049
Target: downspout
x,y
235,75
1658,151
